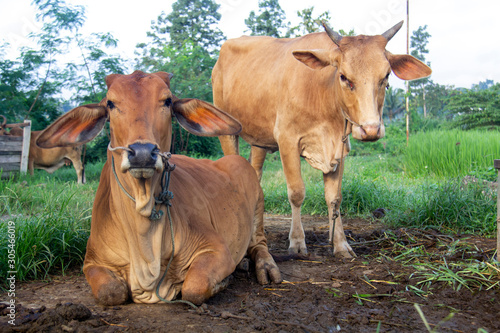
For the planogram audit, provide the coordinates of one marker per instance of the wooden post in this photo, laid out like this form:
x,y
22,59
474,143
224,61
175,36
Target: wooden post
x,y
497,166
26,146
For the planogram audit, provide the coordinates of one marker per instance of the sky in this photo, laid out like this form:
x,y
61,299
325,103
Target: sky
x,y
462,47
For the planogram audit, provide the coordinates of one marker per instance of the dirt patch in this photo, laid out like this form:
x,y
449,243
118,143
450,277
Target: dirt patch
x,y
371,292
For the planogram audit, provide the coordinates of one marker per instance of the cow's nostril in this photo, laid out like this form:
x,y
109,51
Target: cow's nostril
x,y
370,132
143,155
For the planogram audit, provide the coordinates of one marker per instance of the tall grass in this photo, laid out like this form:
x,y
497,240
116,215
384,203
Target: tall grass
x,y
452,153
51,216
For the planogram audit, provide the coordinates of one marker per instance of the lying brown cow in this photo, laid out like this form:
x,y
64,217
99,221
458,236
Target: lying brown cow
x,y
48,159
216,210
303,97
52,159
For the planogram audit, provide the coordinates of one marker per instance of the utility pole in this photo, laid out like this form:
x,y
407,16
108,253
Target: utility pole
x,y
407,97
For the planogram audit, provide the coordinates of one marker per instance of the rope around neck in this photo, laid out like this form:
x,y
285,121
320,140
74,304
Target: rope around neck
x,y
163,198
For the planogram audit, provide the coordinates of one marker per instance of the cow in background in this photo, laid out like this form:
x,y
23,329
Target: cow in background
x,y
303,97
48,159
216,213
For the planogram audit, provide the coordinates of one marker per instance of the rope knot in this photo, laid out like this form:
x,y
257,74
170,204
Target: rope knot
x,y
164,198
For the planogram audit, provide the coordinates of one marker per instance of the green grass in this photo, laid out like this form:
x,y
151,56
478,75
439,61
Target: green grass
x,y
51,216
453,153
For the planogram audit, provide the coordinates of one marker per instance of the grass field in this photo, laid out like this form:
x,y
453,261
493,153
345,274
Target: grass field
x,y
52,213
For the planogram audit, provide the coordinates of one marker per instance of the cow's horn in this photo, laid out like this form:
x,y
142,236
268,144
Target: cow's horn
x,y
335,37
4,120
392,31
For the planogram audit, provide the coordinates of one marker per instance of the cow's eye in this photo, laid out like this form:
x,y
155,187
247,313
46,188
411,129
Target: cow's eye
x,y
168,102
344,79
111,105
385,81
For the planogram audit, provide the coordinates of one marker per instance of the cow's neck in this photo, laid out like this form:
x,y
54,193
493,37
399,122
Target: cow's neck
x,y
147,242
142,229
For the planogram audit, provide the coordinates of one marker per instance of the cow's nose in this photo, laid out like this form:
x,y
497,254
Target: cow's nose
x,y
370,132
143,155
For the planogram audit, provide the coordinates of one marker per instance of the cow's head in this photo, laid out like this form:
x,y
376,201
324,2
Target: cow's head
x,y
139,108
362,71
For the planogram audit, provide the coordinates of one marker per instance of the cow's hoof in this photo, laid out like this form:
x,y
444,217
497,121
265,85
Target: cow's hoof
x,y
344,254
113,292
297,247
266,269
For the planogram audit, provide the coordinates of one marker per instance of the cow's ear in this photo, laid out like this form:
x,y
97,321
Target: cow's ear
x,y
74,128
316,59
407,67
204,119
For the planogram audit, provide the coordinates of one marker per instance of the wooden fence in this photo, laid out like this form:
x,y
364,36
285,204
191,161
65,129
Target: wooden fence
x,y
14,150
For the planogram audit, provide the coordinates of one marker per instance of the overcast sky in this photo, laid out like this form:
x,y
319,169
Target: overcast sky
x,y
463,47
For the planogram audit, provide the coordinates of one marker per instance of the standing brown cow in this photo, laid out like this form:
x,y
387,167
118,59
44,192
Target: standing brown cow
x,y
302,96
216,213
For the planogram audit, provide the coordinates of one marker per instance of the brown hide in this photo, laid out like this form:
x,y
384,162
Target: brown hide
x,y
301,96
217,207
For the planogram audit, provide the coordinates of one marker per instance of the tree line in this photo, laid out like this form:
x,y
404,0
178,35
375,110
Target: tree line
x,y
41,83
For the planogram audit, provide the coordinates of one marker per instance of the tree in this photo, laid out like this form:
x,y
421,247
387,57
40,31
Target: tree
x,y
87,76
193,20
437,97
36,83
473,109
418,45
308,24
482,85
394,103
186,43
270,21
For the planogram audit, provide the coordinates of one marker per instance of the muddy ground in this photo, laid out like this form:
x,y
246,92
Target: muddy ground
x,y
321,293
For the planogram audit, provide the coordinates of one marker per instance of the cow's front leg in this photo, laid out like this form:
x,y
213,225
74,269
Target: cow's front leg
x,y
229,144
265,266
107,288
78,165
333,197
290,159
207,275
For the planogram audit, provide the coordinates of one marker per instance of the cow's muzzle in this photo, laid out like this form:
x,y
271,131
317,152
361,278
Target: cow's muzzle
x,y
143,160
368,132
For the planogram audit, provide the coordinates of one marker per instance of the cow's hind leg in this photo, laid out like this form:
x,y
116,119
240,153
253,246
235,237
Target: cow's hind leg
x,y
265,266
107,288
207,275
333,197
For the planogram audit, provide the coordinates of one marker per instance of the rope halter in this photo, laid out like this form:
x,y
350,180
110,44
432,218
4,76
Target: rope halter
x,y
164,196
